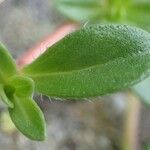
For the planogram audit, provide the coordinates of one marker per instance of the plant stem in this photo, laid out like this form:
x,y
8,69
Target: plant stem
x,y
39,48
131,124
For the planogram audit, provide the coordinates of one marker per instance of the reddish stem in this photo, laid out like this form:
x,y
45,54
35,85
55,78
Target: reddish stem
x,y
39,48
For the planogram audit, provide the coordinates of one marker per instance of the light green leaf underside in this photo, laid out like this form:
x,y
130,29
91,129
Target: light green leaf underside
x,y
28,118
80,10
7,64
93,61
143,90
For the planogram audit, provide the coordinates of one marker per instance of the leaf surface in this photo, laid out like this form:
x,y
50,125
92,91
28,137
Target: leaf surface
x,y
4,97
92,61
23,86
7,64
28,118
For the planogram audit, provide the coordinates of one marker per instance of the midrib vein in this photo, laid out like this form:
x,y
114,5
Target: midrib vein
x,y
87,68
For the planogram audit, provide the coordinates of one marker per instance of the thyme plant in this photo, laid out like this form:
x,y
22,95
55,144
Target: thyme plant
x,y
92,61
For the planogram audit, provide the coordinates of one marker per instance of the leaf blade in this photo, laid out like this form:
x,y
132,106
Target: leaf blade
x,y
23,86
65,69
28,118
7,64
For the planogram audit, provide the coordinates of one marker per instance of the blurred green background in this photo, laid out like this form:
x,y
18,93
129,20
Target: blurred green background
x,y
92,124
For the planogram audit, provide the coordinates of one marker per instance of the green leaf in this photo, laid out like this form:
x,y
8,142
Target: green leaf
x,y
140,14
116,10
80,10
142,89
7,64
25,114
24,86
4,97
92,61
28,118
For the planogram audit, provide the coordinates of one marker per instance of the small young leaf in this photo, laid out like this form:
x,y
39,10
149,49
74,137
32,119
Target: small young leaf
x,y
25,114
24,86
92,61
7,64
80,10
28,118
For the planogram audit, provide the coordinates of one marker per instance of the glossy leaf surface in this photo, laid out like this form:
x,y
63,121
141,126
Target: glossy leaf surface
x,y
92,61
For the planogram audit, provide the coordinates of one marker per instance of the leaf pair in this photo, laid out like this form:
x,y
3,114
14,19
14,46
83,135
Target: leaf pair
x,y
16,91
26,114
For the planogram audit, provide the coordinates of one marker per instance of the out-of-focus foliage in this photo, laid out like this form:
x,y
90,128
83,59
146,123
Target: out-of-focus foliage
x,y
143,90
17,92
147,146
92,10
132,11
80,10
